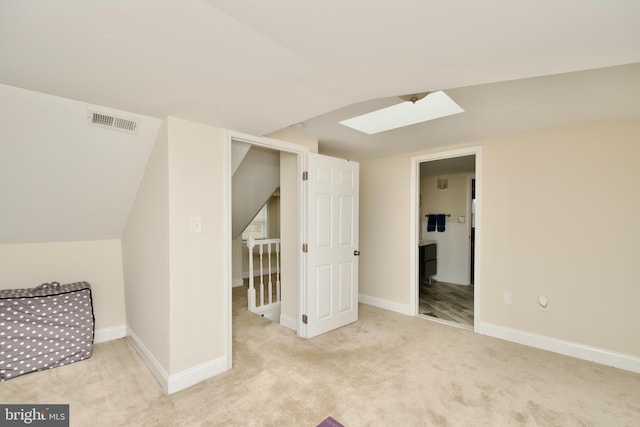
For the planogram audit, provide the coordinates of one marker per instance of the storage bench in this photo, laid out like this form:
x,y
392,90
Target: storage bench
x,y
44,327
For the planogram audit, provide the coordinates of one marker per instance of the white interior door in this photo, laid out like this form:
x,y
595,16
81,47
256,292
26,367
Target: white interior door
x,y
331,297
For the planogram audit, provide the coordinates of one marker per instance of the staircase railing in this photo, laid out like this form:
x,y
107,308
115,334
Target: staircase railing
x,y
269,249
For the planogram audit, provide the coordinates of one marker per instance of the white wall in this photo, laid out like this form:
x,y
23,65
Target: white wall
x,y
176,281
98,262
237,261
273,216
453,254
559,218
385,228
290,135
145,255
253,183
289,239
289,180
198,262
62,179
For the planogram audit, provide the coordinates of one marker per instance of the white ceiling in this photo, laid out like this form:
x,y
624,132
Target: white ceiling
x,y
260,66
492,109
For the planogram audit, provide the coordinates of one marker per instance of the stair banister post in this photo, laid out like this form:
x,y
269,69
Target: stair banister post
x,y
251,292
270,287
278,271
261,251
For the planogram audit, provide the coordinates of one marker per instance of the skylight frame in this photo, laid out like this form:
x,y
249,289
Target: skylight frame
x,y
434,106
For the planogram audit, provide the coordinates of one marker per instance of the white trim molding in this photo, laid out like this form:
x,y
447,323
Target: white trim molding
x,y
386,304
236,283
414,228
301,152
148,358
567,348
108,334
183,379
196,374
289,322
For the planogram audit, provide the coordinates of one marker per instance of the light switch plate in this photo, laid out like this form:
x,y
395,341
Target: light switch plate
x,y
196,224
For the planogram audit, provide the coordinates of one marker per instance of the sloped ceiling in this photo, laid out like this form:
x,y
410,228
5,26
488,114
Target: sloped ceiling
x,y
255,181
491,110
62,179
258,67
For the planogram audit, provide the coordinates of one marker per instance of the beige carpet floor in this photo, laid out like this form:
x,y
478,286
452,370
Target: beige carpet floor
x,y
385,370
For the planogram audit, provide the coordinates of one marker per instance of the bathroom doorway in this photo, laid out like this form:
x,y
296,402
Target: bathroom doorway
x,y
445,217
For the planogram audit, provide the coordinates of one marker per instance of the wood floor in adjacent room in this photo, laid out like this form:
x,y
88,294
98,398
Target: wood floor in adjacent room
x,y
447,301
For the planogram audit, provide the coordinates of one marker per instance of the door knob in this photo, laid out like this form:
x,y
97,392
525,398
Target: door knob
x,y
356,253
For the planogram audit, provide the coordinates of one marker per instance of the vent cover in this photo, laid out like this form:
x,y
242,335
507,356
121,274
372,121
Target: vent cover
x,y
109,121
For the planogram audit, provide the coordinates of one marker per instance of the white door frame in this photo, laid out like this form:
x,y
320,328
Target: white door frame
x,y
470,178
415,222
302,153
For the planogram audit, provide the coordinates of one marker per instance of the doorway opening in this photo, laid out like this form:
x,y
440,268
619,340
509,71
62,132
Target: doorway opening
x,y
318,293
287,167
445,216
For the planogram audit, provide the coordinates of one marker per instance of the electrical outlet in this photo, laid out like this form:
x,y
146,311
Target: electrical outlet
x,y
507,297
543,303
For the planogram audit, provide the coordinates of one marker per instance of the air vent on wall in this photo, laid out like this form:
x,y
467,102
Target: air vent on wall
x,y
109,121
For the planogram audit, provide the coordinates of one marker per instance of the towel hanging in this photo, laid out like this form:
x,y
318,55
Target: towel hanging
x,y
441,222
431,222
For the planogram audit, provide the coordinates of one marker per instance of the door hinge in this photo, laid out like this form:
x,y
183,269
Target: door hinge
x,y
305,248
305,176
304,319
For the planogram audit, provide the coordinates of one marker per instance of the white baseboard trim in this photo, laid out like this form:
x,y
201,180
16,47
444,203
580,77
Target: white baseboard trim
x,y
289,322
147,357
568,348
196,374
237,283
386,304
181,380
108,334
270,311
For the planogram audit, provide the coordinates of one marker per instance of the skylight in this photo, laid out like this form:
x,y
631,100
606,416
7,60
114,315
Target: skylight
x,y
433,106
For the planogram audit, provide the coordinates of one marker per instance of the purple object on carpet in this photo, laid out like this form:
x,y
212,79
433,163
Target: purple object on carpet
x,y
330,422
